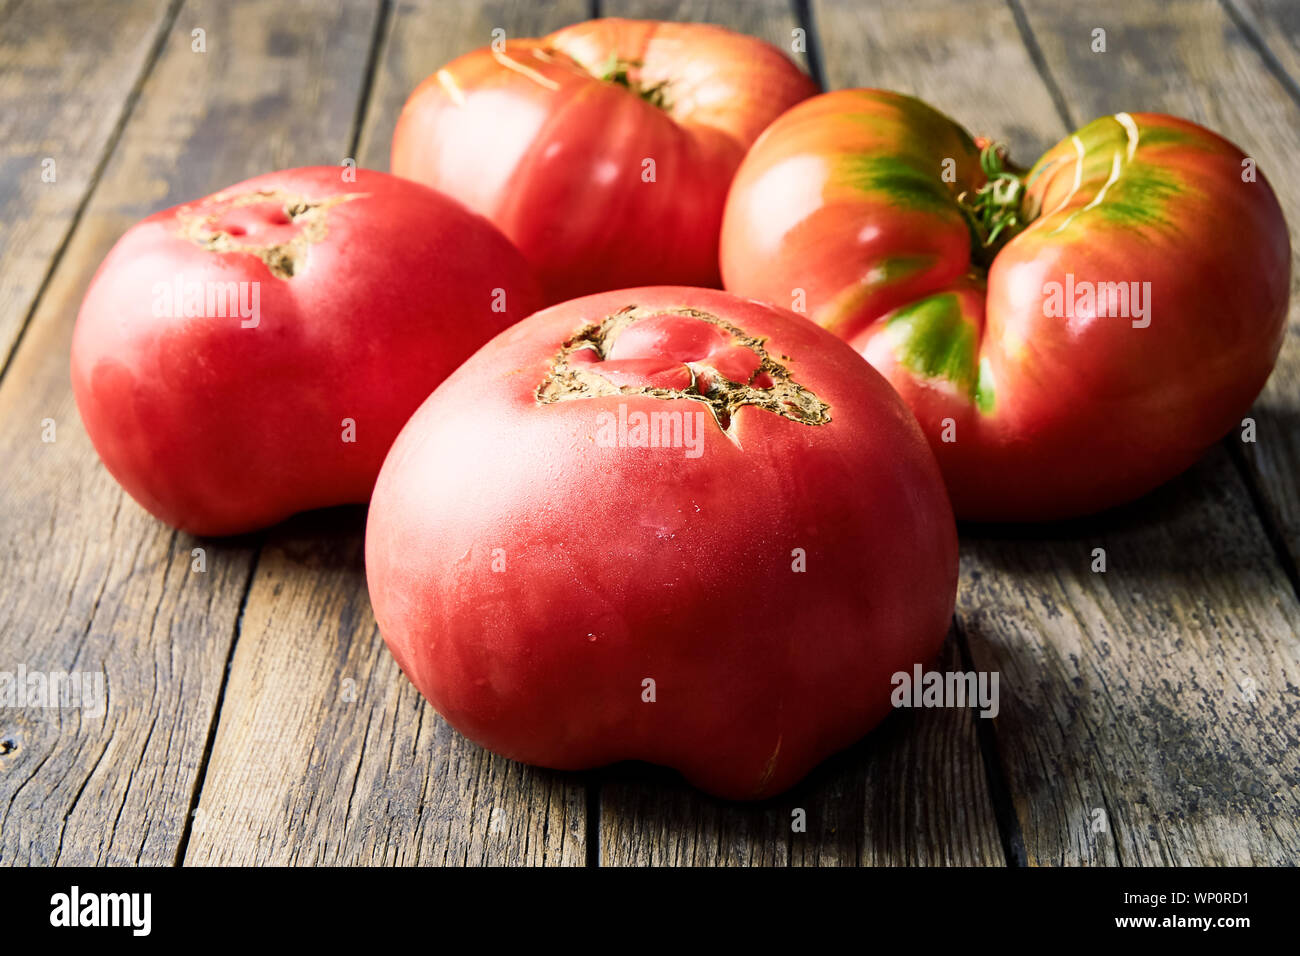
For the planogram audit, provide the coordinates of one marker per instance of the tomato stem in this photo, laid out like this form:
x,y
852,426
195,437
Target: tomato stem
x,y
619,72
994,212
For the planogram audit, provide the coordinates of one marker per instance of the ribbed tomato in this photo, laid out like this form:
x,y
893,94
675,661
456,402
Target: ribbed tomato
x,y
253,354
604,150
663,524
1069,338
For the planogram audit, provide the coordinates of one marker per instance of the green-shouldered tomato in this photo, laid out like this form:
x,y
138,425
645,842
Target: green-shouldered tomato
x,y
1069,337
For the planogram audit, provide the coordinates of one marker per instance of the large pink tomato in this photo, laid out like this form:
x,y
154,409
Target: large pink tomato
x,y
604,150
1069,337
664,524
254,353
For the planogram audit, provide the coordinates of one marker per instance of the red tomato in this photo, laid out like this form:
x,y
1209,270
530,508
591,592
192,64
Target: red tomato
x,y
603,150
254,353
1117,312
663,524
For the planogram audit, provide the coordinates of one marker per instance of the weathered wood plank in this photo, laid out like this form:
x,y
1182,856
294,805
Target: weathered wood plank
x,y
1275,26
1122,697
770,20
913,793
1158,697
1275,459
92,582
67,72
325,752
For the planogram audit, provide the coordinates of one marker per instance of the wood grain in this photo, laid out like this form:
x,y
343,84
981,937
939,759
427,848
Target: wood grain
x,y
1122,692
770,20
1275,26
67,72
92,583
914,792
325,752
1158,697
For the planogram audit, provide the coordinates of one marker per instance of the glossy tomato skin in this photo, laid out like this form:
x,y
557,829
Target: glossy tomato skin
x,y
531,137
769,585
1034,411
220,419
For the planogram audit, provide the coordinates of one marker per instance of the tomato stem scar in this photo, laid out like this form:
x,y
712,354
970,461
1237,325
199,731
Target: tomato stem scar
x,y
201,225
769,386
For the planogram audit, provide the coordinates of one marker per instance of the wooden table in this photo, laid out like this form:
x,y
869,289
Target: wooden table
x,y
1148,714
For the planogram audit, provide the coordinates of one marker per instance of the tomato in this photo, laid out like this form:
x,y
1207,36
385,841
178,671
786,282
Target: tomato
x,y
604,150
1069,338
253,354
664,524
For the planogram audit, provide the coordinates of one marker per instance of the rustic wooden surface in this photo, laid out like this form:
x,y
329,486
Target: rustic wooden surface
x,y
1149,714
